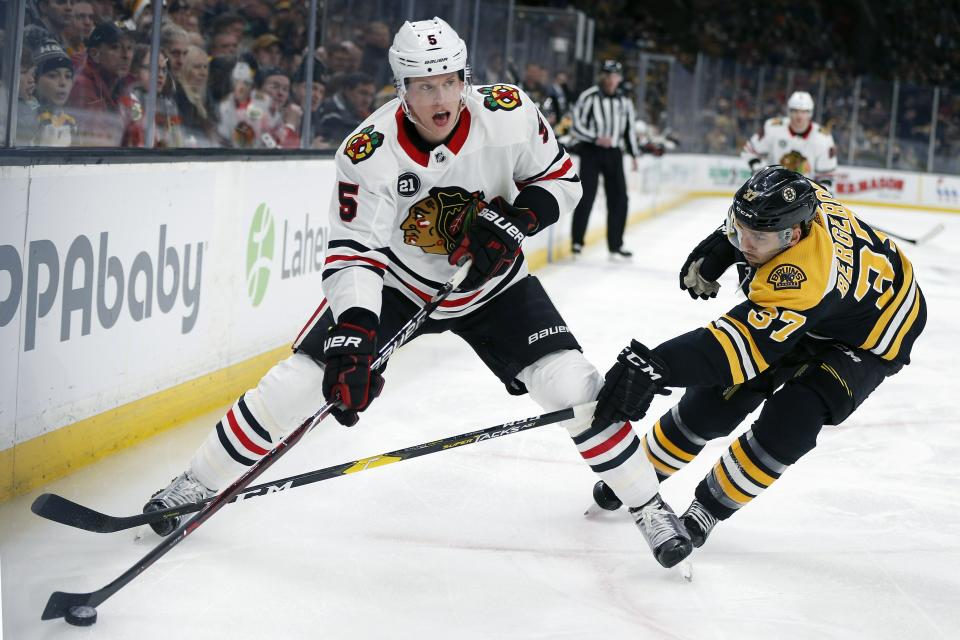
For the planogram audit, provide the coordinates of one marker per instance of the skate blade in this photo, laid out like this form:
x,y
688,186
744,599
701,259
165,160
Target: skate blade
x,y
685,569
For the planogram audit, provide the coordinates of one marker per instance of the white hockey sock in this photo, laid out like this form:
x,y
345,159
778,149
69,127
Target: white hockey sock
x,y
566,378
614,453
286,396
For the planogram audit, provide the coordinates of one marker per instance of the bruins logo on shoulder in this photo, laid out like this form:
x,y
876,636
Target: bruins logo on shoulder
x,y
500,97
362,144
787,276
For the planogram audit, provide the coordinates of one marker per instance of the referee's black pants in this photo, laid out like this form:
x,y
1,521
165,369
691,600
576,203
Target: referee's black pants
x,y
594,161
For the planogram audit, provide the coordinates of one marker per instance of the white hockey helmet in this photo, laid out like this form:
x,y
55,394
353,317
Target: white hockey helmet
x,y
800,100
426,48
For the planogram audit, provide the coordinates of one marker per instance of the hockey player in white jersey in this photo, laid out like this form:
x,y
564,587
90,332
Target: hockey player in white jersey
x,y
797,143
443,172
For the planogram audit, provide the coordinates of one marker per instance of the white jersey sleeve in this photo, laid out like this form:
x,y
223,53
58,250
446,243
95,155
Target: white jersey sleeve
x,y
544,163
758,146
361,224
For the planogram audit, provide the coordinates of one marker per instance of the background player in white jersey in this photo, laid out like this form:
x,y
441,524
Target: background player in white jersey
x,y
444,172
796,143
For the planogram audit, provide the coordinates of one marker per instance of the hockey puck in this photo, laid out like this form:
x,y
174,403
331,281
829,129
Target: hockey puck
x,y
81,615
605,498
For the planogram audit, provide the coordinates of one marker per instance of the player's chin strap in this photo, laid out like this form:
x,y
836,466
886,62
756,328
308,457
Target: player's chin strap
x,y
60,602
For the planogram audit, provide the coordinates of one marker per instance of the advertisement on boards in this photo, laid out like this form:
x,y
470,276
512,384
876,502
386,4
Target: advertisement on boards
x,y
110,289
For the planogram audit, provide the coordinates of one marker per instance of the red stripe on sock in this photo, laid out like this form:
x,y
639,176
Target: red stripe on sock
x,y
242,437
607,444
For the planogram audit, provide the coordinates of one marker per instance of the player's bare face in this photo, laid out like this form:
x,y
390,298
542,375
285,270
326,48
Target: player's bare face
x,y
800,120
434,103
760,246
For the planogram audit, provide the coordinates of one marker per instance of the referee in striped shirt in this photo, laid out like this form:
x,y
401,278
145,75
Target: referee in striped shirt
x,y
603,126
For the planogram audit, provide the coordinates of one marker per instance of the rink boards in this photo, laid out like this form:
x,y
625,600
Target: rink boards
x,y
136,296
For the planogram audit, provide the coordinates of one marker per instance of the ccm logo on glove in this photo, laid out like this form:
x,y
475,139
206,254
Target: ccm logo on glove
x,y
502,223
641,364
345,342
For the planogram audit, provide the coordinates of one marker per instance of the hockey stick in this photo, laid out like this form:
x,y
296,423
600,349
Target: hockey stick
x,y
59,509
929,235
60,603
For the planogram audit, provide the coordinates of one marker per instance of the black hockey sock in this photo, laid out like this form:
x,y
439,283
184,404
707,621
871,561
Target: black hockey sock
x,y
670,444
740,475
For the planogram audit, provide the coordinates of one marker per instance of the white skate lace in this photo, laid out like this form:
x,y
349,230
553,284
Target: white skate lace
x,y
658,524
184,488
701,516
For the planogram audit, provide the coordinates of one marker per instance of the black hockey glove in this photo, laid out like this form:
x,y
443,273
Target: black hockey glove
x,y
630,385
705,264
349,350
493,241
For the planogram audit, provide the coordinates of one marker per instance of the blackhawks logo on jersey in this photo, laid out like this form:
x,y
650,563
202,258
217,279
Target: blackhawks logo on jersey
x,y
436,223
787,276
795,161
500,97
362,144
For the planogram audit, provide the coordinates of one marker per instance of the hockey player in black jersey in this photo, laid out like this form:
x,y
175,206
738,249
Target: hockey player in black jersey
x,y
833,308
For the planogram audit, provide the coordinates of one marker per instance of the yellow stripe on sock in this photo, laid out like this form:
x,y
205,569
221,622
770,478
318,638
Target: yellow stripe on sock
x,y
657,464
727,485
756,473
664,442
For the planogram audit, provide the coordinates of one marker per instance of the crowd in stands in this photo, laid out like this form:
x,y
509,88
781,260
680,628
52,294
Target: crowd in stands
x,y
230,74
233,73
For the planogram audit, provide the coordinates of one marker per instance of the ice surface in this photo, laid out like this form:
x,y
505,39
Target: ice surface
x,y
861,539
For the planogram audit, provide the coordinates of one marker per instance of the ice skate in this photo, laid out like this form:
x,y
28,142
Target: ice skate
x,y
698,522
183,489
662,530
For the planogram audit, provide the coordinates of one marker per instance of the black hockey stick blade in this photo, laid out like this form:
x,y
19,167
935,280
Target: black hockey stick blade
x,y
64,511
61,602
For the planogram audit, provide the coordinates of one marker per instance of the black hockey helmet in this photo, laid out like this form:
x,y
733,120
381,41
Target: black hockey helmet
x,y
775,199
611,66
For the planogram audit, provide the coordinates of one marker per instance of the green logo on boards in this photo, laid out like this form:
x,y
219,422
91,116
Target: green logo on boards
x,y
260,241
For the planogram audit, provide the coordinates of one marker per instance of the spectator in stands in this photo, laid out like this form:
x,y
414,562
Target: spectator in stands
x,y
53,126
283,118
341,60
133,103
559,98
191,97
225,43
26,99
54,16
185,14
299,89
241,113
219,82
229,22
535,83
79,29
376,44
94,96
266,50
105,10
174,42
348,107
